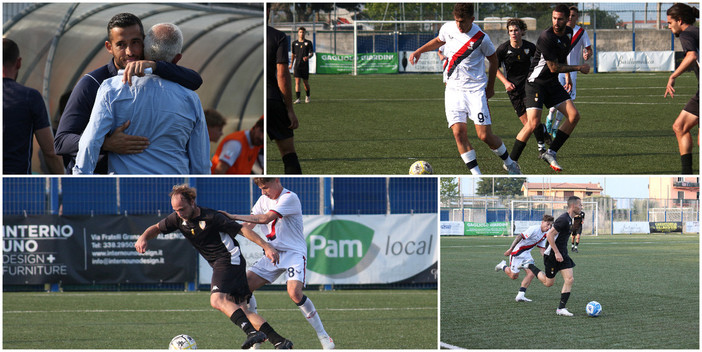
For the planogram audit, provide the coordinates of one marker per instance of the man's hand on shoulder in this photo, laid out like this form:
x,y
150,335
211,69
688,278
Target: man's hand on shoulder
x,y
137,68
122,143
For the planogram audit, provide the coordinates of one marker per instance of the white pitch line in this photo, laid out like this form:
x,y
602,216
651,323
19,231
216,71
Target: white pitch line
x,y
451,347
201,310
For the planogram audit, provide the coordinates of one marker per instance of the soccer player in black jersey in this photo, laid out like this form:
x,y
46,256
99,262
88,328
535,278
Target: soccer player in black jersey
x,y
576,231
543,87
681,20
213,235
556,257
302,52
514,57
280,115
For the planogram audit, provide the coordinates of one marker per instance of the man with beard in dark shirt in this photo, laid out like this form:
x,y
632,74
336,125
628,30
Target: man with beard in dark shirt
x,y
681,20
556,257
543,87
213,235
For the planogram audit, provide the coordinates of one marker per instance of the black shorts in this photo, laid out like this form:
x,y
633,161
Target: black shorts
x,y
550,94
518,102
693,106
278,120
577,231
302,71
552,266
230,279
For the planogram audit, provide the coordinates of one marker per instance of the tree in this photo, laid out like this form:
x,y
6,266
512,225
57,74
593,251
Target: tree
x,y
449,190
502,186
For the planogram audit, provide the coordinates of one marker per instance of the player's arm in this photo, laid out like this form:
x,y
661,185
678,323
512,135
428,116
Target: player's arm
x,y
509,86
292,59
556,67
284,84
688,60
551,238
253,219
149,234
492,72
568,83
432,45
517,238
270,252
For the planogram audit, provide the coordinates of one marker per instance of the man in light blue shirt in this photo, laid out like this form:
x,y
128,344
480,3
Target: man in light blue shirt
x,y
170,116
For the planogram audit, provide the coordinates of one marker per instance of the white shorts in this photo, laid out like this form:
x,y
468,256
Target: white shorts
x,y
462,105
292,264
573,76
516,261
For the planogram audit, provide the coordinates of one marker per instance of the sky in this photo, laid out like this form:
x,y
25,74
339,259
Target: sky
x,y
614,186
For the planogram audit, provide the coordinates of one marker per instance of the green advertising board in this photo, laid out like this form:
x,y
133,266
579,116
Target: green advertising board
x,y
367,63
486,229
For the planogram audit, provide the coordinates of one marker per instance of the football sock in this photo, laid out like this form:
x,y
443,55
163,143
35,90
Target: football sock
x,y
471,162
501,151
561,137
273,336
307,92
253,307
239,319
308,310
517,149
522,289
534,270
292,164
539,133
564,300
297,95
686,160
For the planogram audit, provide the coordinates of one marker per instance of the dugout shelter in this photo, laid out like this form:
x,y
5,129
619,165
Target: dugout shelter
x,y
61,42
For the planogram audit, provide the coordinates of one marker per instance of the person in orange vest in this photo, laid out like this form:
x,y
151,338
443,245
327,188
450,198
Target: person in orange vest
x,y
238,151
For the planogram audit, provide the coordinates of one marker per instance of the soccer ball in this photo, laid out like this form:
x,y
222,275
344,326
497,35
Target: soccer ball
x,y
593,309
182,342
421,168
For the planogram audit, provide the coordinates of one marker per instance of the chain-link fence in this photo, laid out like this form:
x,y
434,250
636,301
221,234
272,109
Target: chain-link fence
x,y
610,26
602,212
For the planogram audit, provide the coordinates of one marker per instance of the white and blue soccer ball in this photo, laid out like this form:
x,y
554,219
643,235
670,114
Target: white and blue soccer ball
x,y
182,342
421,167
593,309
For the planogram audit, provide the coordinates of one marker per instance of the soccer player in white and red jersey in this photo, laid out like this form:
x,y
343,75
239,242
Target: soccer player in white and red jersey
x,y
579,47
278,212
467,87
520,254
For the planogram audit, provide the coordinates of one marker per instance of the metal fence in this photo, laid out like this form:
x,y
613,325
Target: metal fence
x,y
611,27
609,210
136,195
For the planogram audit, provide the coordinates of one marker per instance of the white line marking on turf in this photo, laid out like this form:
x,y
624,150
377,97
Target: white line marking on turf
x,y
451,347
201,310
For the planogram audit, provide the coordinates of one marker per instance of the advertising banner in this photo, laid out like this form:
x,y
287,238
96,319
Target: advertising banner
x,y
635,61
629,227
363,249
666,227
452,228
500,228
367,63
91,250
428,62
692,226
